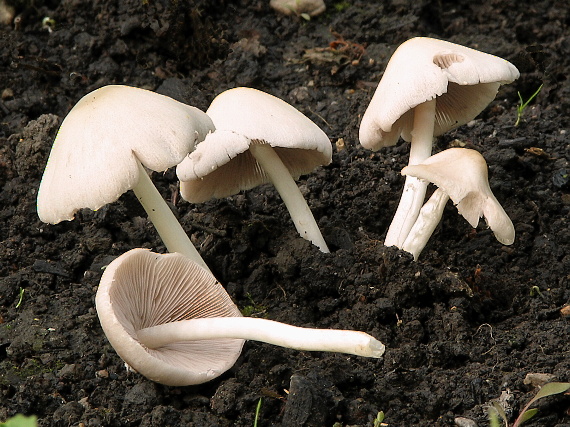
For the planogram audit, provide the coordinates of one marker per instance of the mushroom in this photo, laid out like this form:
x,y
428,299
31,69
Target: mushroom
x,y
101,147
170,320
429,87
460,174
299,7
258,139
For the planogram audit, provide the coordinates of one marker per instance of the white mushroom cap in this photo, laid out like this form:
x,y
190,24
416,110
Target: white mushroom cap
x,y
243,116
463,81
298,7
462,174
95,155
141,289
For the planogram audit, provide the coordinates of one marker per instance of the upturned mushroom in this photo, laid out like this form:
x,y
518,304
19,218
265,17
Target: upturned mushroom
x,y
460,174
171,321
259,138
102,146
429,87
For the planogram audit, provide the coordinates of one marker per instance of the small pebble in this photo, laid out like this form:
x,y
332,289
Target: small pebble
x,y
537,379
561,178
103,373
7,93
464,422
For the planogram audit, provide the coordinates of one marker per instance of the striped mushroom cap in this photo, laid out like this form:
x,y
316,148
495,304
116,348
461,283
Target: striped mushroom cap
x,y
141,289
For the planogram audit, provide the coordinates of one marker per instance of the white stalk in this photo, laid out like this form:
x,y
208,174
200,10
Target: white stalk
x,y
287,188
268,331
414,191
169,229
428,218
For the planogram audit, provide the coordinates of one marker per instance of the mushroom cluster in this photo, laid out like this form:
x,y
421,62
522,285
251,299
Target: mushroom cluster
x,y
166,315
429,87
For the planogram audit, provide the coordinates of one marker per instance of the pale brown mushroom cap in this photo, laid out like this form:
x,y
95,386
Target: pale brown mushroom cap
x,y
221,164
297,7
141,289
462,174
94,158
463,81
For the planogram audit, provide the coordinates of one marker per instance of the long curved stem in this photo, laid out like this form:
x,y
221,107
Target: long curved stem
x,y
169,229
414,191
268,331
287,188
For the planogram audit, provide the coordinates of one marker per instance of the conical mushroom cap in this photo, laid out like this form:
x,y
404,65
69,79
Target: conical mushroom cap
x,y
462,174
462,80
221,164
94,156
141,289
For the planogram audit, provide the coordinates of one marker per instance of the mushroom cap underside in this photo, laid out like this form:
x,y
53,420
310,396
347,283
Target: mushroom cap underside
x,y
141,289
222,165
95,155
463,81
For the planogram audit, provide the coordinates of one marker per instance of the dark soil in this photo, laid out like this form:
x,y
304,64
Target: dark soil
x,y
462,326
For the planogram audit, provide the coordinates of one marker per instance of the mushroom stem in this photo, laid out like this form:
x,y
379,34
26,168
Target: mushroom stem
x,y
428,218
414,191
287,188
169,229
268,331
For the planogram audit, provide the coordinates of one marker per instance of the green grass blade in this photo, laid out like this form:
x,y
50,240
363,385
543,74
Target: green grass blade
x,y
527,415
550,389
257,411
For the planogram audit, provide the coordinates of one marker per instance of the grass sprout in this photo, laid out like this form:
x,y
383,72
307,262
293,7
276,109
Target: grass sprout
x,y
378,420
257,411
20,297
523,104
